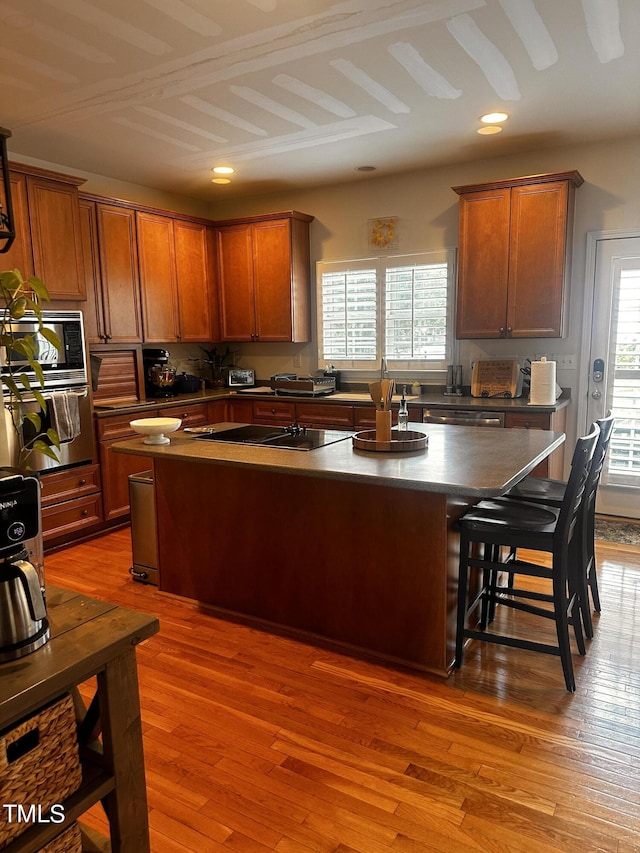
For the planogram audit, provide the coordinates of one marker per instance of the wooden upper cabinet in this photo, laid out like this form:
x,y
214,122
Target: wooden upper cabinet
x,y
263,271
48,240
175,277
119,283
514,256
195,274
93,313
19,256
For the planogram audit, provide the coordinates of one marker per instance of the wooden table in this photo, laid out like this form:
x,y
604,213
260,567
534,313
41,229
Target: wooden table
x,y
89,638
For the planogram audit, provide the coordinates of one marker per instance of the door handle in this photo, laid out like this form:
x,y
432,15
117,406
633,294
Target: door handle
x,y
597,394
598,370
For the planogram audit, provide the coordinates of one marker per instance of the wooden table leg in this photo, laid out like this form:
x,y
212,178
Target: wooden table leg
x,y
126,806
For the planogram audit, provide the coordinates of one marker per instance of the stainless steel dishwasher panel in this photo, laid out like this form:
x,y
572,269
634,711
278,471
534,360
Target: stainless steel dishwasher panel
x,y
463,418
144,538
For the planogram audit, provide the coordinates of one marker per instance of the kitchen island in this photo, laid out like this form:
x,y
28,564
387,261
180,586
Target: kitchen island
x,y
351,547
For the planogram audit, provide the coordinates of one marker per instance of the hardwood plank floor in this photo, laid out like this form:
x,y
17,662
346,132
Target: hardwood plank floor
x,y
256,742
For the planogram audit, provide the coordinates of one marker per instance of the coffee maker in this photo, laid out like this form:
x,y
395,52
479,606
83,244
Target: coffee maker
x,y
159,378
23,623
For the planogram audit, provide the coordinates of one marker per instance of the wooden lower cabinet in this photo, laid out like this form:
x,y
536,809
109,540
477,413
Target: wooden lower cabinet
x,y
115,467
278,412
71,502
552,466
324,416
240,411
197,415
218,411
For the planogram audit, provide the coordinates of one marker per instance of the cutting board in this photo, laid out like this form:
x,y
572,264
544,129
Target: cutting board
x,y
495,378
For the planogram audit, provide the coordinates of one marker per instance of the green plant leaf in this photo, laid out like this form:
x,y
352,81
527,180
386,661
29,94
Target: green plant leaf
x,y
51,336
53,437
38,287
45,449
35,419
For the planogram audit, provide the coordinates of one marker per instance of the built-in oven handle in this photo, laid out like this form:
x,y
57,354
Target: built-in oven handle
x,y
30,398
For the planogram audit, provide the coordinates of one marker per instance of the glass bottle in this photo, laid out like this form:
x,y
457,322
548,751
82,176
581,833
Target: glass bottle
x,y
403,412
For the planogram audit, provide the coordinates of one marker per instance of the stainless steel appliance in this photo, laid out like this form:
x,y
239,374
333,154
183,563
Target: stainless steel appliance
x,y
309,386
294,437
159,378
144,540
463,418
23,623
65,390
241,377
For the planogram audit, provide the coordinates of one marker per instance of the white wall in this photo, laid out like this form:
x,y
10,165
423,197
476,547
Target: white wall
x,y
427,209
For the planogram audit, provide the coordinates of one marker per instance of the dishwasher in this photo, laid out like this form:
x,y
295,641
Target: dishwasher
x,y
144,539
463,418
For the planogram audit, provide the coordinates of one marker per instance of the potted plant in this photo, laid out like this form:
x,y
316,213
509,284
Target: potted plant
x,y
17,297
218,363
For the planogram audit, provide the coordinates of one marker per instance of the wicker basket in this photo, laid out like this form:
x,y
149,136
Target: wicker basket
x,y
39,763
69,841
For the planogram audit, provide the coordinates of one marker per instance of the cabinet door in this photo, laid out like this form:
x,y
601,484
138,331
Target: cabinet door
x,y
194,273
19,256
235,279
272,275
115,469
483,264
94,327
119,274
54,216
537,260
157,278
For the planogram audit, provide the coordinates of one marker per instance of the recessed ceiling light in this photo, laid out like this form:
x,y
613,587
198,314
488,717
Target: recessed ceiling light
x,y
223,170
489,130
220,181
494,118
365,168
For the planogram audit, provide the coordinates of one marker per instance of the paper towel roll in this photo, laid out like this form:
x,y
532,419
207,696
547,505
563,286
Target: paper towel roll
x,y
543,383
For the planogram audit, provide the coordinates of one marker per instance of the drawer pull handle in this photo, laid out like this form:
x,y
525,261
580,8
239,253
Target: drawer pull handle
x,y
84,513
82,482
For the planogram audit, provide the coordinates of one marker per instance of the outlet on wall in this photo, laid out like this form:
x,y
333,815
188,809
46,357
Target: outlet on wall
x,y
566,362
297,360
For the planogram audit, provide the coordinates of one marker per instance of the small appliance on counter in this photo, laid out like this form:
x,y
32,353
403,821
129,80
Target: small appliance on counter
x,y
496,378
187,383
23,615
159,378
308,386
241,377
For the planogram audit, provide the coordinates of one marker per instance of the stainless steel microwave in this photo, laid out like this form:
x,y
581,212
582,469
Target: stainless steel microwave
x,y
62,367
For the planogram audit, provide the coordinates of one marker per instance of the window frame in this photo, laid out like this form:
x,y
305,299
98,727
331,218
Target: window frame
x,y
380,264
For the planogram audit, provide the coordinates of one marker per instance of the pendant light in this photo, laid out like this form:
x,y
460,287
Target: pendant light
x,y
7,225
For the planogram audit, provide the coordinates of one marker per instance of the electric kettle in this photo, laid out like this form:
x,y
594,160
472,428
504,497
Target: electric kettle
x,y
23,623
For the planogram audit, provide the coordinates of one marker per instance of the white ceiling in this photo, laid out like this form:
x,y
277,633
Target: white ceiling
x,y
295,93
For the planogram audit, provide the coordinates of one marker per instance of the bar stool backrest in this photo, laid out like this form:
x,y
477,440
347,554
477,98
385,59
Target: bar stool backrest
x,y
597,463
576,485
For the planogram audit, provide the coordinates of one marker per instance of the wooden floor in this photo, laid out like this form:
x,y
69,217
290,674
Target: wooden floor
x,y
257,743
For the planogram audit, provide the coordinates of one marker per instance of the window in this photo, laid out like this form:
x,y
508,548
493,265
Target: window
x,y
398,308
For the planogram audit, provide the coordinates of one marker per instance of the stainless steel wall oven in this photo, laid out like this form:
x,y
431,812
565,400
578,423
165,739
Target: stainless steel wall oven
x,y
65,390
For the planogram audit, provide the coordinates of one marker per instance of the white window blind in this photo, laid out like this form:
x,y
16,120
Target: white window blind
x,y
397,307
623,462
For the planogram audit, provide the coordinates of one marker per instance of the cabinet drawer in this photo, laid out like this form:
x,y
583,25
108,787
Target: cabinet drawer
x,y
65,485
189,415
70,516
118,425
274,412
364,417
525,420
325,415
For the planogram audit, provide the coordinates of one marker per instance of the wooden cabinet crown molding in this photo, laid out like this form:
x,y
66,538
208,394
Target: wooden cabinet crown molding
x,y
265,217
36,171
573,177
146,208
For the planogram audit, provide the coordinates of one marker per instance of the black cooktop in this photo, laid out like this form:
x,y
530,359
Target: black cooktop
x,y
291,438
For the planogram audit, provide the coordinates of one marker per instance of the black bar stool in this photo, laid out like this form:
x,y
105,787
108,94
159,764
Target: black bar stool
x,y
540,490
499,523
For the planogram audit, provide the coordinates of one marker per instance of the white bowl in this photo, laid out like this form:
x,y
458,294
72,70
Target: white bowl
x,y
155,428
